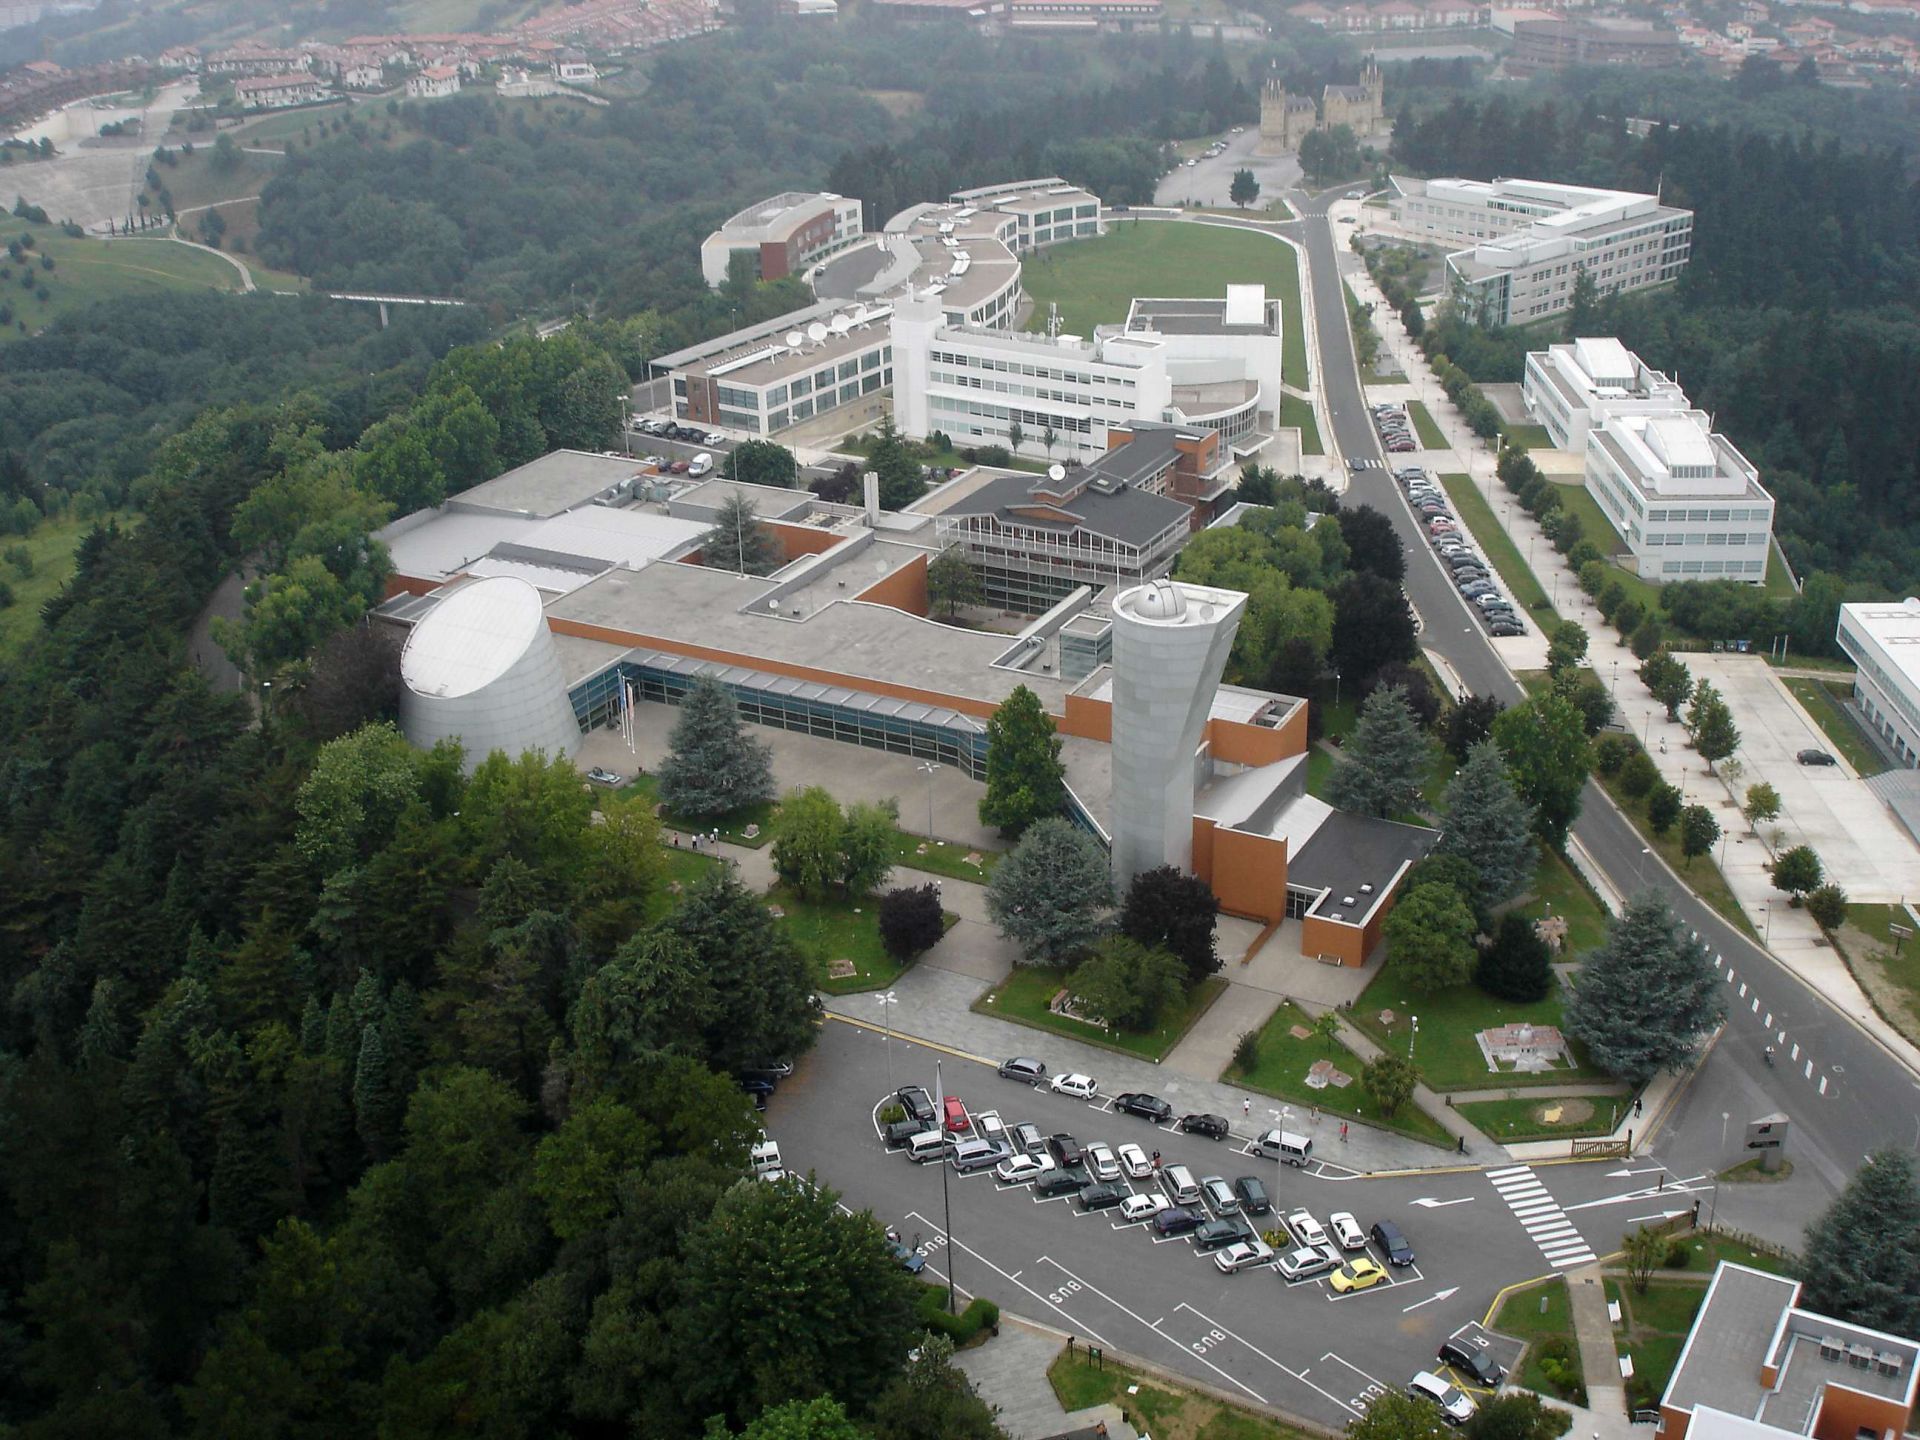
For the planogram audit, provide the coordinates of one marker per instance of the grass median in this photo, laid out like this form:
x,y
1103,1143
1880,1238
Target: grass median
x,y
1298,413
1026,997
1283,1057
1561,1118
1425,427
1523,587
1446,1050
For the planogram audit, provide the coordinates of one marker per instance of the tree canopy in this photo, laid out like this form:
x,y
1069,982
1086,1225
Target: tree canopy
x,y
1647,996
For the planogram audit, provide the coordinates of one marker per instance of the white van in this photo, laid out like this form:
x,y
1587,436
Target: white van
x,y
1284,1146
702,465
1180,1185
927,1145
765,1159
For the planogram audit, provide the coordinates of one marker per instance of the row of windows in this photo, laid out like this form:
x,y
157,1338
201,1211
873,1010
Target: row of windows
x,y
1013,367
965,380
1863,657
1715,537
597,702
1710,515
1033,422
1888,732
807,407
1714,567
828,376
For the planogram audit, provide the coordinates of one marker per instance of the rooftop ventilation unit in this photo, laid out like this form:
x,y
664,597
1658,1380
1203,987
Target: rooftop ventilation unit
x,y
1347,900
1890,1363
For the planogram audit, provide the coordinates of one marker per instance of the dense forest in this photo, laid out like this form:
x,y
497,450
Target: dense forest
x,y
1795,324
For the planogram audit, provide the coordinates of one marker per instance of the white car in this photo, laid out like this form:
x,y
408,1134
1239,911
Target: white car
x,y
1081,1087
1308,1260
1134,1161
1136,1208
1101,1162
1347,1231
1306,1231
1457,1406
1022,1168
1244,1255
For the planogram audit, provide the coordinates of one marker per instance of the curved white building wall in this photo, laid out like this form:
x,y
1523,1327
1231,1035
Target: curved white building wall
x,y
482,669
1170,646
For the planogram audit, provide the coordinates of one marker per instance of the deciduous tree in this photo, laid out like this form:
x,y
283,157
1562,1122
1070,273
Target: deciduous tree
x,y
761,462
1667,680
1797,871
952,582
1168,909
1025,780
1545,743
1390,1078
1647,996
1518,965
1698,831
1244,190
1372,626
1430,938
1373,544
1127,984
911,922
1393,1416
1827,904
1710,723
1763,804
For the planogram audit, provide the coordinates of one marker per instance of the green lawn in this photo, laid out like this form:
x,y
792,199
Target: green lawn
x,y
1595,526
1026,993
1296,412
1167,1409
940,857
1559,888
1822,700
1891,977
1702,875
1319,772
645,789
87,271
1528,437
1707,1250
1523,1316
1654,1328
51,545
1520,1119
684,869
834,929
1523,587
1093,281
1281,1070
1446,1051
1425,426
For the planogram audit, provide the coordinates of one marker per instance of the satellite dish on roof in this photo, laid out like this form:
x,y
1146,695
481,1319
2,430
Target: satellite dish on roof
x,y
839,324
794,337
859,313
816,332
1056,471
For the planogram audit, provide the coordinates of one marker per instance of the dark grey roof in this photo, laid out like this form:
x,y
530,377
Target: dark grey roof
x,y
1720,1364
1144,457
1348,851
1126,514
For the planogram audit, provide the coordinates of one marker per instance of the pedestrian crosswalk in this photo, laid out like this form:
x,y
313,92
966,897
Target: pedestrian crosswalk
x,y
1540,1215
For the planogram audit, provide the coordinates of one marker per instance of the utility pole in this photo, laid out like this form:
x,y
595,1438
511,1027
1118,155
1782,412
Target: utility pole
x,y
946,1197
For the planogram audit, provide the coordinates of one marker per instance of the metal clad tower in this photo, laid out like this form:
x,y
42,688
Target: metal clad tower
x,y
1170,644
482,668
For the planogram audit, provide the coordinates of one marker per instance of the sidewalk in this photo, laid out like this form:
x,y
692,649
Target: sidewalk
x,y
1009,1372
1606,1413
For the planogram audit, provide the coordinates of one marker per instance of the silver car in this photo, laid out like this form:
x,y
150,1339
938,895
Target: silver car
x,y
1101,1162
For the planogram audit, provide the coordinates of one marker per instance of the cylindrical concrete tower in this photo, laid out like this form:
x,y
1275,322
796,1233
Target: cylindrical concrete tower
x,y
482,668
1170,644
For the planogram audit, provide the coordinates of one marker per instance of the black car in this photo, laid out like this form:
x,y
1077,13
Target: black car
x,y
1392,1243
1176,1220
1023,1068
1218,1234
761,1090
1478,1363
1214,1127
900,1132
1253,1196
1102,1197
1060,1182
916,1102
1504,628
1147,1107
907,1258
1064,1149
1814,757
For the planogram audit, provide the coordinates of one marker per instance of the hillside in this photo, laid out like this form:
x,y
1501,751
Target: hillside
x,y
87,271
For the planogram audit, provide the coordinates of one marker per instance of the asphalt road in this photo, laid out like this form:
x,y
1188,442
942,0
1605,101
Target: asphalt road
x,y
1846,1094
1297,1347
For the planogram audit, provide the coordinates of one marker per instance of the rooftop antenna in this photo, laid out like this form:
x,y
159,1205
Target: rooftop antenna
x,y
840,324
1056,471
816,332
1053,319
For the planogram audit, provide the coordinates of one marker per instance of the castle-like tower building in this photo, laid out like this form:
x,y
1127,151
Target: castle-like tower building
x,y
1285,120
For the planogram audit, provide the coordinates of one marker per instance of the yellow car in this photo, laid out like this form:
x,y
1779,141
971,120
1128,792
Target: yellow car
x,y
1358,1274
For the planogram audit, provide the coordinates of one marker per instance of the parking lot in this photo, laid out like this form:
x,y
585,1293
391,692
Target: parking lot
x,y
1109,1283
1451,543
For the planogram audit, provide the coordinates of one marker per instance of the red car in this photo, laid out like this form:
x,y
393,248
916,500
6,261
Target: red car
x,y
956,1115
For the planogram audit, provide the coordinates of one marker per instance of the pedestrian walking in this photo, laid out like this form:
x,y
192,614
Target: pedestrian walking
x,y
1246,1107
1639,1105
1343,1132
1156,1159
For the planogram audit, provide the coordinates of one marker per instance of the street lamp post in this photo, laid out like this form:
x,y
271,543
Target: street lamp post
x,y
927,768
1336,689
1766,939
946,1201
1645,850
1413,1035
1615,680
1646,733
886,1003
626,430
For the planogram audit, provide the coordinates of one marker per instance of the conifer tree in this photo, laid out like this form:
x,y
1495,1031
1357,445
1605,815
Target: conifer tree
x,y
1384,760
1489,825
1025,779
1647,996
377,1101
1862,1257
713,767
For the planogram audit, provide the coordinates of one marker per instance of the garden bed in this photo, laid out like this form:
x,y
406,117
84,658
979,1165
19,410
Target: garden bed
x,y
1548,1330
1027,994
1446,1051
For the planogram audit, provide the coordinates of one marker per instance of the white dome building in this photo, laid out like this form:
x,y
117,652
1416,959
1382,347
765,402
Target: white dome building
x,y
482,668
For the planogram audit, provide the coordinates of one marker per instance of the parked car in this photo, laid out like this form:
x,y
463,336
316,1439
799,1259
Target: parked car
x,y
1214,1127
1102,1196
1465,1356
1219,1196
605,777
1346,1230
1243,1255
1362,1272
1101,1162
1306,1262
1065,1150
1023,1169
1024,1069
1506,628
1305,1229
1218,1234
1145,1206
1392,1243
1028,1138
900,1132
1815,757
1059,1182
1134,1161
1455,1405
1177,1220
954,1115
1253,1196
908,1258
1147,1107
1081,1087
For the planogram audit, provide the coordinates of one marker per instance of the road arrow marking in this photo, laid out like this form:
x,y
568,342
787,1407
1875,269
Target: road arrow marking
x,y
1450,1290
1634,1195
1426,1203
1657,1215
1627,1174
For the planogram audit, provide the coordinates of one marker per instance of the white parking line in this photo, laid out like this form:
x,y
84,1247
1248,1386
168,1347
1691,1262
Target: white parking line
x,y
1081,1327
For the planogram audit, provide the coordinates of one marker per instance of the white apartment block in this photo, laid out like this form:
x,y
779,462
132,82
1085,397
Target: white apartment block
x,y
1045,211
1689,505
1882,638
1572,388
783,234
778,379
976,384
1528,241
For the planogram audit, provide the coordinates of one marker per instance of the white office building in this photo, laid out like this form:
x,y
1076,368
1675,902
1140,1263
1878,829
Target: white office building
x,y
1528,241
1689,505
1572,388
1882,638
974,385
782,235
1170,647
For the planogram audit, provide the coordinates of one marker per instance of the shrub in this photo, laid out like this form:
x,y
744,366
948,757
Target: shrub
x,y
910,921
892,1114
1639,774
1610,752
1679,1254
1246,1050
980,1314
1827,904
